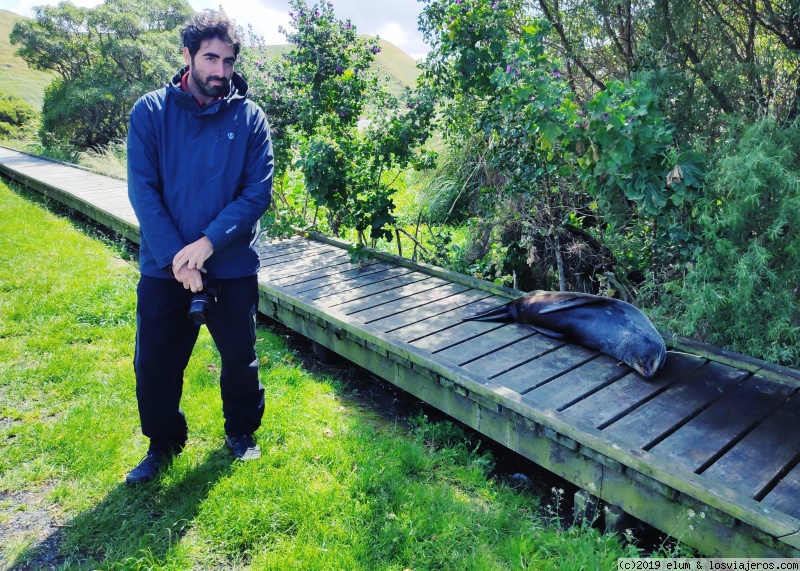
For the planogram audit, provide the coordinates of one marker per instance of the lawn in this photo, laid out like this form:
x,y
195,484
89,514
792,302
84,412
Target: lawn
x,y
339,486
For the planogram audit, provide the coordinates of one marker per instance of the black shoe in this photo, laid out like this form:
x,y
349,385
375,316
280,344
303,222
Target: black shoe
x,y
244,447
149,467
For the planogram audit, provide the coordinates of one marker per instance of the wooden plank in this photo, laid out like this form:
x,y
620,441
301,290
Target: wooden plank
x,y
409,307
433,308
576,384
727,421
362,286
768,370
512,356
290,258
675,406
480,345
763,455
328,275
628,392
544,368
445,320
301,263
273,245
451,336
389,299
365,286
784,497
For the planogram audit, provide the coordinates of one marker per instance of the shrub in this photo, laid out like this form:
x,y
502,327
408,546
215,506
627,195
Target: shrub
x,y
741,291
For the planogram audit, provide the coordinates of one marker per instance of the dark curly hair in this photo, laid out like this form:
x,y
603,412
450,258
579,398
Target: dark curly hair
x,y
207,25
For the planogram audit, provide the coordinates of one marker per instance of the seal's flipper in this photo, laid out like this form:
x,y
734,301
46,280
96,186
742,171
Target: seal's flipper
x,y
568,302
547,332
500,313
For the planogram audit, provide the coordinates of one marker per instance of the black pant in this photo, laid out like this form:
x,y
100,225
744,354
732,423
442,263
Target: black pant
x,y
164,342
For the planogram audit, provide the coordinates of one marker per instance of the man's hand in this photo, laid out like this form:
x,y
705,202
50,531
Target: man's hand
x,y
193,256
191,279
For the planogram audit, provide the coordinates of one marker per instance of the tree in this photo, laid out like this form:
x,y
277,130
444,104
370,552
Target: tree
x,y
104,59
315,96
564,159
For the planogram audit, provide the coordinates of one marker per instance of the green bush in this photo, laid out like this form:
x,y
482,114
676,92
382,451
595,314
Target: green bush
x,y
742,290
16,116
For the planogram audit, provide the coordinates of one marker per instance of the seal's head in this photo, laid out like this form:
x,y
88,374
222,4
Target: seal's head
x,y
646,356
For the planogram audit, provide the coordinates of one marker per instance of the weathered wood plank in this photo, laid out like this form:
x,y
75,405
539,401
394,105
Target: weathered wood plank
x,y
433,308
784,497
389,297
577,384
294,259
675,406
628,392
723,424
759,458
299,264
452,336
542,369
441,322
408,307
477,346
363,286
329,275
512,356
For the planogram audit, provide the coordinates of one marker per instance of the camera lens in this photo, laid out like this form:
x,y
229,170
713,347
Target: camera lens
x,y
198,309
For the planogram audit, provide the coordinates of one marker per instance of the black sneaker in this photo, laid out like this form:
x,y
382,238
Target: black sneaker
x,y
244,447
149,467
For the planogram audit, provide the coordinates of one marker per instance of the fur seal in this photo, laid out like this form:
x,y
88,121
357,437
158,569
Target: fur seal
x,y
611,326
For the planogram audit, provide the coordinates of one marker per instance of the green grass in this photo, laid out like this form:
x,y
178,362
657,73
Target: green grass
x,y
338,486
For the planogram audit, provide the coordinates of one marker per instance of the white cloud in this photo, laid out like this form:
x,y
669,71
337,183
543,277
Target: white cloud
x,y
393,33
265,21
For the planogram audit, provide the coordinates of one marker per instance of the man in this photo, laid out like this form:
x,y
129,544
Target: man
x,y
200,168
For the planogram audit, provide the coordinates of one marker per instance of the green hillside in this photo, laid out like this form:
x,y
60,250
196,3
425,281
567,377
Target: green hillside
x,y
18,79
15,75
393,62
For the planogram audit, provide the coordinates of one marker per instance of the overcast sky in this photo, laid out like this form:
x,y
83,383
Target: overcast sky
x,y
392,20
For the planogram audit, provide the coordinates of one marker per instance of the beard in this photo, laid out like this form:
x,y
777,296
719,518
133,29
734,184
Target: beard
x,y
207,88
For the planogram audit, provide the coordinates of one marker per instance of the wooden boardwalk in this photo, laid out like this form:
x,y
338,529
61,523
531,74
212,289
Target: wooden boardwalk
x,y
708,451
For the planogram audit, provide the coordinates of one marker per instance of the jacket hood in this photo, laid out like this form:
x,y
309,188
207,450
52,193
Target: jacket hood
x,y
238,89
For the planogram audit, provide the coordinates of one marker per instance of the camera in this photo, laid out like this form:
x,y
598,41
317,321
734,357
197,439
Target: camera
x,y
198,307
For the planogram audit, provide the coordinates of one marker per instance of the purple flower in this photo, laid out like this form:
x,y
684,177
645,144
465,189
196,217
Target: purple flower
x,y
508,69
631,119
494,5
339,69
556,73
605,115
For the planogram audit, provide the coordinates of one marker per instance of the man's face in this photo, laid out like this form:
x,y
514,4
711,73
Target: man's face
x,y
211,69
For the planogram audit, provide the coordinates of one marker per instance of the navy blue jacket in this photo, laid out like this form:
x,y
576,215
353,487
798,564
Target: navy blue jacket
x,y
195,171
